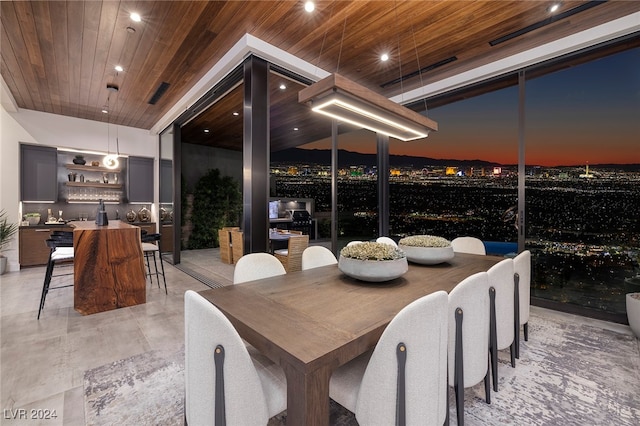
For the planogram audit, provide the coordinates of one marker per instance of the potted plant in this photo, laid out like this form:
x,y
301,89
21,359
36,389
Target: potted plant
x,y
79,159
633,312
426,249
375,262
7,231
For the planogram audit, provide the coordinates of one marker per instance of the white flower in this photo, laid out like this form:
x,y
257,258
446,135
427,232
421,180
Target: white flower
x,y
424,241
372,251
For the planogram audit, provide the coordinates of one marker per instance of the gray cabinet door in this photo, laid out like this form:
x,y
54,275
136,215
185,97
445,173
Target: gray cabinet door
x,y
38,173
166,181
140,180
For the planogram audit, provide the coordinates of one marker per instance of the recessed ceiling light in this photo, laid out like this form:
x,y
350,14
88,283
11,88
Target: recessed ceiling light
x,y
236,113
309,6
295,129
206,130
282,86
554,7
119,68
384,57
104,111
135,17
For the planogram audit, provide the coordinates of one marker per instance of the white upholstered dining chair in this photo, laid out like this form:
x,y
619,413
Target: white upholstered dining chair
x,y
522,277
225,384
470,245
255,266
469,338
404,380
386,240
501,313
316,256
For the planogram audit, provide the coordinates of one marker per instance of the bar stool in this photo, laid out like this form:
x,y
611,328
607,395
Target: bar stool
x,y
60,250
151,246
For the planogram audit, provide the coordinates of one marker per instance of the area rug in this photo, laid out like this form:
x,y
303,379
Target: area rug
x,y
567,374
145,389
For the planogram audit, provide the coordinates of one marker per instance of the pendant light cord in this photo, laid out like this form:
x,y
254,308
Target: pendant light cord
x,y
108,126
344,27
415,48
395,10
117,142
324,38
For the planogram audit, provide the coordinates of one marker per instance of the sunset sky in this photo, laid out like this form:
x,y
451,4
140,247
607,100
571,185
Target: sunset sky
x,y
588,113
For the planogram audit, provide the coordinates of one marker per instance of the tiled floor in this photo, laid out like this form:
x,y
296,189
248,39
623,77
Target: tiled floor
x,y
42,363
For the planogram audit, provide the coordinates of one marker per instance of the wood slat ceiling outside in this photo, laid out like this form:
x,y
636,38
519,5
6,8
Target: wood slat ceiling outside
x,y
58,56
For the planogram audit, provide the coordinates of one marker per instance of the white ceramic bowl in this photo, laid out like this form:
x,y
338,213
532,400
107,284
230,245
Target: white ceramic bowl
x,y
428,255
33,220
373,270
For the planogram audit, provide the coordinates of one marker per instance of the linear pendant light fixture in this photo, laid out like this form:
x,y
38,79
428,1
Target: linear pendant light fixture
x,y
338,97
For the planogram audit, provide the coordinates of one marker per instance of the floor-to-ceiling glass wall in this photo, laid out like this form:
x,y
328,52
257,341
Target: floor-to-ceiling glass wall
x,y
583,183
461,180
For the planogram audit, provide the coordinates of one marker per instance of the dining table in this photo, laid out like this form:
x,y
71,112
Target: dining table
x,y
278,239
313,321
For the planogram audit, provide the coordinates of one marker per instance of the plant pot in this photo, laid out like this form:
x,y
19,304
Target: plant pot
x,y
373,270
79,160
633,312
427,255
3,264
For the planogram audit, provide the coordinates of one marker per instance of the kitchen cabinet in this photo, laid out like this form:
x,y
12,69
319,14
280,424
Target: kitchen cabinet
x,y
140,180
38,173
166,238
150,227
33,249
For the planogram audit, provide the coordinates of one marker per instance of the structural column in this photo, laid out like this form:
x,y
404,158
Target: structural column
x,y
383,184
255,156
521,161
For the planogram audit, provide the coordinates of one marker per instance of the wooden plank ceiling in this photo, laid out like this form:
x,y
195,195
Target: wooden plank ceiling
x,y
58,56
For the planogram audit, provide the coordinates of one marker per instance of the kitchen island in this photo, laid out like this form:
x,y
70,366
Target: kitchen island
x,y
108,267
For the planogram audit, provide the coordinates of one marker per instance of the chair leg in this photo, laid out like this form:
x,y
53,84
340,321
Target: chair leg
x,y
458,371
45,285
146,258
155,266
526,332
516,313
512,350
487,387
493,338
446,419
163,277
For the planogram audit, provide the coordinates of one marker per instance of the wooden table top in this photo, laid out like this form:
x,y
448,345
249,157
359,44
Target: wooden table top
x,y
312,313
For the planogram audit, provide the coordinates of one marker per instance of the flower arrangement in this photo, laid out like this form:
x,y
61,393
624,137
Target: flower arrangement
x,y
424,241
372,251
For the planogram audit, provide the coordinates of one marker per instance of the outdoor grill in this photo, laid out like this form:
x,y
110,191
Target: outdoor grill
x,y
301,221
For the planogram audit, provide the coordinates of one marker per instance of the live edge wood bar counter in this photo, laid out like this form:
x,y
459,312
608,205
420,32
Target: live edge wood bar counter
x,y
313,321
108,267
